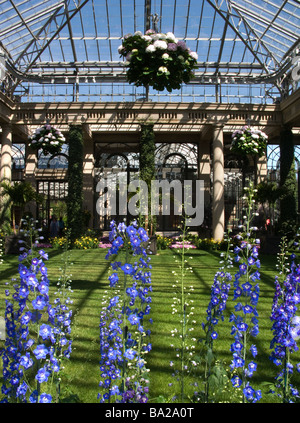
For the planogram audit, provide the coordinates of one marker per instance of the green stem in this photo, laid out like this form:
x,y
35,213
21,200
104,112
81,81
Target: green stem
x,y
124,326
286,376
247,240
183,314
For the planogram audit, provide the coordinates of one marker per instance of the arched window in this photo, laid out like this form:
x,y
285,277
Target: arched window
x,y
54,161
18,156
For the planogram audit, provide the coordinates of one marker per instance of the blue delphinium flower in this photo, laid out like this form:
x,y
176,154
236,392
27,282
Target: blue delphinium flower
x,y
246,295
45,398
122,319
28,307
285,327
220,290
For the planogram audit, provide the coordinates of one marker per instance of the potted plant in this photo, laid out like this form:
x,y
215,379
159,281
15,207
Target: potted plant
x,y
249,143
47,138
157,60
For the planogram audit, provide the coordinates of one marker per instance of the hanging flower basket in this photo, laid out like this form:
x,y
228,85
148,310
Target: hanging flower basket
x,y
249,141
47,138
157,60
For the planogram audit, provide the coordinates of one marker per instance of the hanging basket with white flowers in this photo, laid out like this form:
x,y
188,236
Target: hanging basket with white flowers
x,y
47,138
157,60
249,141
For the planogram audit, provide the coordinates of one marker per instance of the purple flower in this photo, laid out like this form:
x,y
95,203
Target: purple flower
x,y
43,254
31,280
133,319
42,375
45,398
120,324
253,350
113,279
41,351
250,394
236,381
45,331
26,361
182,45
129,354
127,269
39,303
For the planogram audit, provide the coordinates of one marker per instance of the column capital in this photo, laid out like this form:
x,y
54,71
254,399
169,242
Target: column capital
x,y
218,125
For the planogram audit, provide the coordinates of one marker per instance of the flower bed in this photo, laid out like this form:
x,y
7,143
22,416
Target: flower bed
x,y
86,242
182,244
157,60
37,354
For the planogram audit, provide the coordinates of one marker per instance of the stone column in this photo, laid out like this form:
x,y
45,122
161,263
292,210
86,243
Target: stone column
x,y
218,212
6,153
5,173
30,175
204,171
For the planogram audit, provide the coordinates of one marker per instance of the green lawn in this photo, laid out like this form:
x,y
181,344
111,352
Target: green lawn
x,y
89,281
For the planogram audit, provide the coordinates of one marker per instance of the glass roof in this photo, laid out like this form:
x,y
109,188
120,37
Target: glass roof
x,y
67,50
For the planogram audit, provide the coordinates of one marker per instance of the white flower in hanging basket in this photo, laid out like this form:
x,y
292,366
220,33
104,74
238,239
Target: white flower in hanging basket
x,y
157,60
47,138
249,141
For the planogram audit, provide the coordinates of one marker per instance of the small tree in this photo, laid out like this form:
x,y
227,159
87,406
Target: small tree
x,y
267,194
19,195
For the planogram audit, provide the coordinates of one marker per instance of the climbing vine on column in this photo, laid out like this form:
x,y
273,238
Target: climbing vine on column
x,y
288,187
147,168
75,180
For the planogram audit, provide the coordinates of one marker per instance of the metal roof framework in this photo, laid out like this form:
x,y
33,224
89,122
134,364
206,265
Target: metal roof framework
x,y
68,49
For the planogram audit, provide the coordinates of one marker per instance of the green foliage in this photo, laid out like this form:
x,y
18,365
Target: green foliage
x,y
267,192
147,165
163,242
86,242
75,176
147,150
58,242
19,195
288,186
